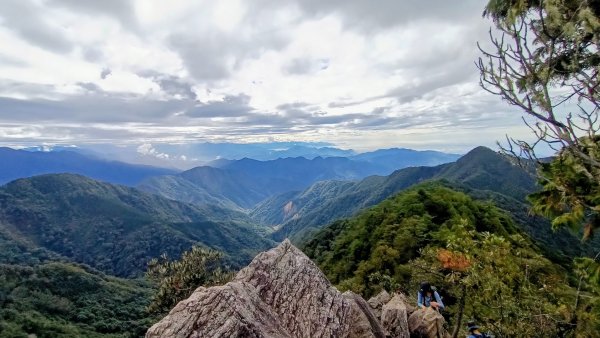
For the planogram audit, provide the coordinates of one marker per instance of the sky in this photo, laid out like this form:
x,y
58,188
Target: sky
x,y
356,74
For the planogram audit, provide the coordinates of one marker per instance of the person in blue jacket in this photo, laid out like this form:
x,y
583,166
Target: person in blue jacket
x,y
428,297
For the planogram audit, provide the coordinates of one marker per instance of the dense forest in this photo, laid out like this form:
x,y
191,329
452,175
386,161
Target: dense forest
x,y
473,251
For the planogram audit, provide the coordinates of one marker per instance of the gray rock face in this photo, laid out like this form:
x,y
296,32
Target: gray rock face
x,y
280,294
394,318
377,302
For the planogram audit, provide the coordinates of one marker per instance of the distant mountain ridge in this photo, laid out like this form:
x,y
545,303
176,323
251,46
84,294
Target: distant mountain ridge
x,y
21,163
246,182
481,172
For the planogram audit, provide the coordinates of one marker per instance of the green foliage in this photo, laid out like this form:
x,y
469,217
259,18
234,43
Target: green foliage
x,y
471,250
176,280
66,300
546,63
112,228
385,238
509,288
588,270
570,194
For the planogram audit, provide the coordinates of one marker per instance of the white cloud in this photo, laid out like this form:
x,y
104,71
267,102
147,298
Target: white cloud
x,y
148,150
222,70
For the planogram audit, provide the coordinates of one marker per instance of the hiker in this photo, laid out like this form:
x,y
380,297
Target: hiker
x,y
474,331
428,297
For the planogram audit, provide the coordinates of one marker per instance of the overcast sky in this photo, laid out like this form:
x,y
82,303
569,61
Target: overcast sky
x,y
358,74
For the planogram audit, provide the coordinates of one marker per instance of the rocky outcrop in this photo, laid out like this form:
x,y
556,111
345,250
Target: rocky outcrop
x,y
280,294
427,323
394,318
376,303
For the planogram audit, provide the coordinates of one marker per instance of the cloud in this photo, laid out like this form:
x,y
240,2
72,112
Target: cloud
x,y
26,19
148,150
120,10
105,73
178,71
302,66
229,106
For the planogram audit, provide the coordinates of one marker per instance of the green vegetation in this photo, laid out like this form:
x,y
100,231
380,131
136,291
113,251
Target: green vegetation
x,y
570,194
176,280
482,174
48,222
116,229
66,300
480,169
545,62
472,250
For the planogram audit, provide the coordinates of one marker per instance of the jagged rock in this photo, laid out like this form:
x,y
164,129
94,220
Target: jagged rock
x,y
427,323
409,307
394,318
374,326
280,294
376,303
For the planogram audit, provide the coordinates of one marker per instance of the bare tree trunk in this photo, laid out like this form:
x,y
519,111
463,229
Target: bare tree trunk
x,y
461,309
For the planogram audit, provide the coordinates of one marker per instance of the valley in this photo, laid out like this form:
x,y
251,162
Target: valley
x,y
67,224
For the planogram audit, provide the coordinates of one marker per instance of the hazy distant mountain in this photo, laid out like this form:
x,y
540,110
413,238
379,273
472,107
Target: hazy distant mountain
x,y
259,151
388,160
22,163
246,182
117,229
482,173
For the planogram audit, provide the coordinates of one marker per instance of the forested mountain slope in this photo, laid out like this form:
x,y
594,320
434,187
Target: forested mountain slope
x,y
483,264
117,229
481,169
482,173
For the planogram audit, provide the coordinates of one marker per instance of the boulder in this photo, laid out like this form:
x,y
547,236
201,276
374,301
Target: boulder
x,y
282,293
427,323
376,303
394,318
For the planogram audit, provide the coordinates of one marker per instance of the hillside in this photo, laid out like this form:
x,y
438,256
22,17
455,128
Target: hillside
x,y
57,299
20,164
117,229
472,168
481,173
247,182
463,246
348,250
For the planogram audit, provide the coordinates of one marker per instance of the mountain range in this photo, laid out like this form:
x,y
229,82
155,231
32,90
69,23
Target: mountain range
x,y
246,182
21,163
482,173
54,226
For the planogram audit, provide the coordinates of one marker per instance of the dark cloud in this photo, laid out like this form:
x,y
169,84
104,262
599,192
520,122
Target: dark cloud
x,y
121,10
172,85
105,73
213,55
230,106
93,107
90,87
304,66
29,22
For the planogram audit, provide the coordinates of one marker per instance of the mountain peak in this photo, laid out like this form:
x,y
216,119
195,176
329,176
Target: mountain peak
x,y
282,293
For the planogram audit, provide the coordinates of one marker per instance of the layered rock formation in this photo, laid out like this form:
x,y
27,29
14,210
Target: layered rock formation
x,y
282,293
